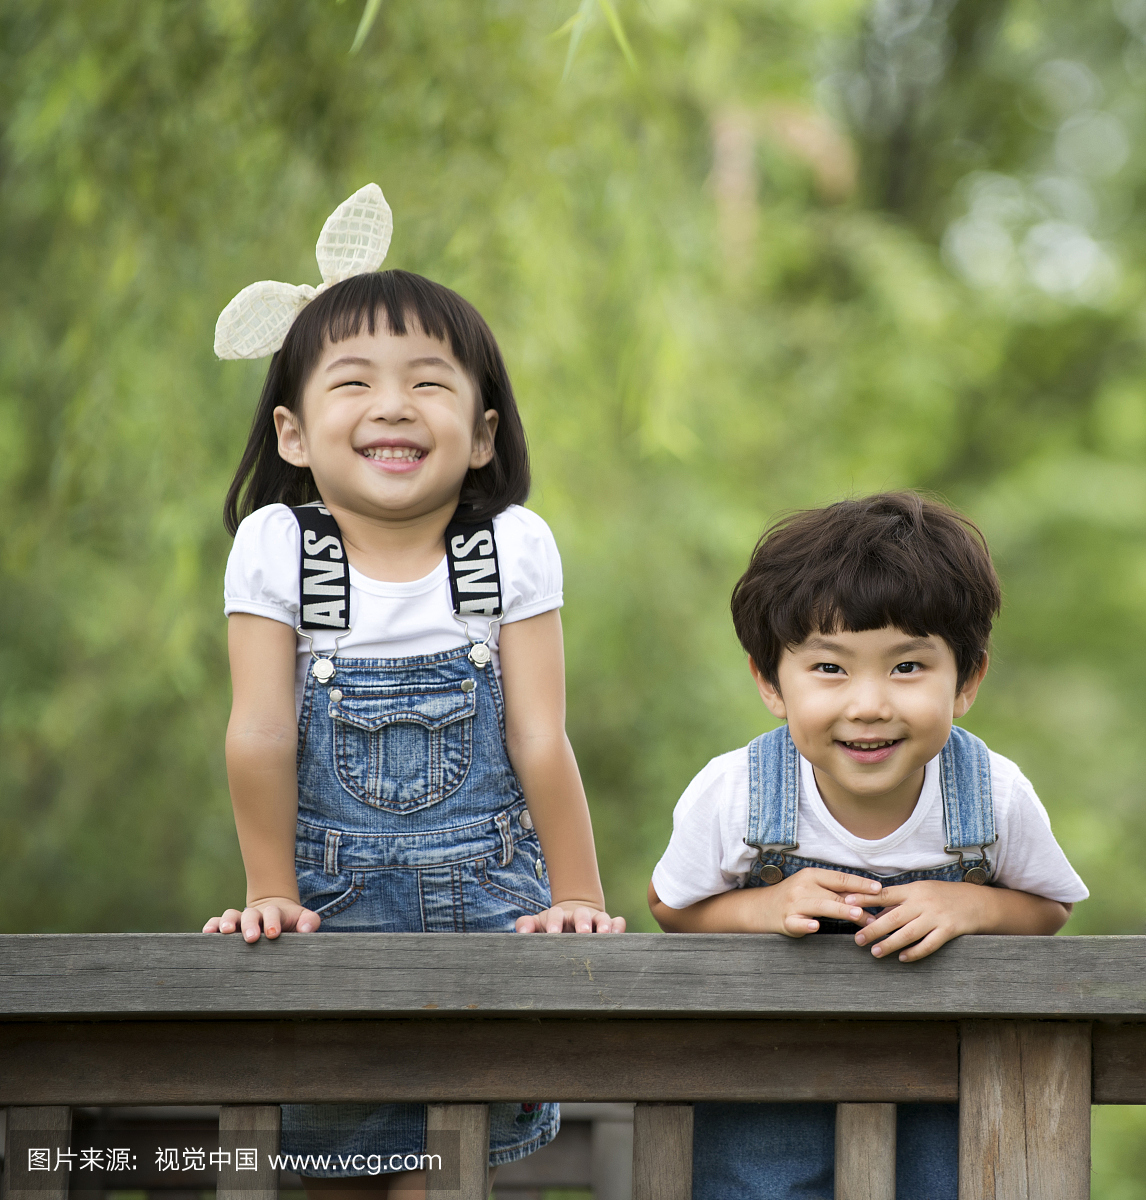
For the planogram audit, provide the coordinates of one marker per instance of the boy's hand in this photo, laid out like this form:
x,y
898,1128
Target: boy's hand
x,y
270,914
920,917
816,892
571,916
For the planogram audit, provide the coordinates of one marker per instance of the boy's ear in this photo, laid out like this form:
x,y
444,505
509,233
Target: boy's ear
x,y
769,693
289,431
965,697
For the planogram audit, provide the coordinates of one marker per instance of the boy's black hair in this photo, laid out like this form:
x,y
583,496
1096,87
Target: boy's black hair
x,y
401,299
894,559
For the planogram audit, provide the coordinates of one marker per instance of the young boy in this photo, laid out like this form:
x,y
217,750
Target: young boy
x,y
867,625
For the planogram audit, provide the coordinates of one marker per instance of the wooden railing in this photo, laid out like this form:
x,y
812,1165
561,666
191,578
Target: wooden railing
x,y
1026,1033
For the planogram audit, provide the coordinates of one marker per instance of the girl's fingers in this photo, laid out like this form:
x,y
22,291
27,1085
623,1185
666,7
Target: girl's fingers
x,y
307,922
229,921
212,926
272,920
528,924
251,922
554,920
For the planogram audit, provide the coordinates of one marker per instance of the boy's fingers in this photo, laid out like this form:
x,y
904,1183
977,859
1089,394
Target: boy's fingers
x,y
797,925
886,923
929,945
841,881
913,931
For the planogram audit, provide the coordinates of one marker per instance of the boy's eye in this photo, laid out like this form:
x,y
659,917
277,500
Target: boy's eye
x,y
906,668
829,668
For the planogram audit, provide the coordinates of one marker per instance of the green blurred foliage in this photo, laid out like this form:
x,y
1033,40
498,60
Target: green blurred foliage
x,y
790,253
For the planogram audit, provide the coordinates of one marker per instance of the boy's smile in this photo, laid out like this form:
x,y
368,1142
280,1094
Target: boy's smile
x,y
869,710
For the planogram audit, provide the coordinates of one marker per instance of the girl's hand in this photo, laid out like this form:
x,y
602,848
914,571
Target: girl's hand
x,y
271,915
571,916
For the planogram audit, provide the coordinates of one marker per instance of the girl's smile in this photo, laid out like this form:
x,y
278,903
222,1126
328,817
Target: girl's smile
x,y
394,456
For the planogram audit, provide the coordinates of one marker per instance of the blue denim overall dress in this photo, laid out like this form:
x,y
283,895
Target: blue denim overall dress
x,y
411,819
787,1151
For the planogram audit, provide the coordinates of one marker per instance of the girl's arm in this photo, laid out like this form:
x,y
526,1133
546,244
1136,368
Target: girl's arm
x,y
262,740
533,679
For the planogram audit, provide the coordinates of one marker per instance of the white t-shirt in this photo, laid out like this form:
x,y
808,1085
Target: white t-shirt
x,y
707,853
389,620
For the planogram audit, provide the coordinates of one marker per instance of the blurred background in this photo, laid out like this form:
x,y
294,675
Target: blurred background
x,y
741,256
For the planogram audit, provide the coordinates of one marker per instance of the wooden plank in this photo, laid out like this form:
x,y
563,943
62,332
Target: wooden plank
x,y
662,1152
1119,1063
365,974
865,1152
1024,1110
45,1129
244,1128
448,1060
471,1123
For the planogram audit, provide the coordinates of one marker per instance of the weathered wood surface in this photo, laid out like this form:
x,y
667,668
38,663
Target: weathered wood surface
x,y
662,1152
1024,1110
1119,1063
169,975
51,1127
250,1126
471,1122
450,1059
865,1152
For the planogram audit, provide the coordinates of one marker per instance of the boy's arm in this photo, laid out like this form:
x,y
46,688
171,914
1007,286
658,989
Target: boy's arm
x,y
533,678
790,907
922,916
262,740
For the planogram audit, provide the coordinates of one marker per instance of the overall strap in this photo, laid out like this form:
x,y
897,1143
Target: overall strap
x,y
323,575
471,554
965,780
773,790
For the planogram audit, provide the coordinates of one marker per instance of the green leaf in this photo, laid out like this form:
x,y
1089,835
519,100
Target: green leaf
x,y
577,24
618,32
369,13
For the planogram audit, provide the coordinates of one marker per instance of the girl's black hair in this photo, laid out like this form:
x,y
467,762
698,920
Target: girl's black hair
x,y
404,299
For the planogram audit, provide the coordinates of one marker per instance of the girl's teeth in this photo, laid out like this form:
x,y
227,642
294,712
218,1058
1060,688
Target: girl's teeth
x,y
406,452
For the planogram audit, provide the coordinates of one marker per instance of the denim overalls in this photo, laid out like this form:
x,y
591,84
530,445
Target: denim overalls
x,y
787,1151
411,819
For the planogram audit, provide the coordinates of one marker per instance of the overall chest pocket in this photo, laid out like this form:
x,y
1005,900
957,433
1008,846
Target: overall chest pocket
x,y
403,752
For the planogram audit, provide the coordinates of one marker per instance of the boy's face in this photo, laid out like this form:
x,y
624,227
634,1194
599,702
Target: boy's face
x,y
869,710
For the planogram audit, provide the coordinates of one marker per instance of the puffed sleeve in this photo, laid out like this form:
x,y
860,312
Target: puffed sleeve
x,y
529,564
262,570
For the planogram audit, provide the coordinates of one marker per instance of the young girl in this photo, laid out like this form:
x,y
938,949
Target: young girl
x,y
396,751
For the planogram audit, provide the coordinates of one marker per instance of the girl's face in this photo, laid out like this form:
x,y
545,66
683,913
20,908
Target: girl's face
x,y
387,425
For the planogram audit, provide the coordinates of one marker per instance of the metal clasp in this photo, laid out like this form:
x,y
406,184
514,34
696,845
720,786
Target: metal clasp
x,y
322,668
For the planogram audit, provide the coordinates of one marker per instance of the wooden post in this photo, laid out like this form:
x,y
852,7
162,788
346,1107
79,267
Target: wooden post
x,y
471,1122
244,1128
46,1127
662,1152
865,1152
1024,1110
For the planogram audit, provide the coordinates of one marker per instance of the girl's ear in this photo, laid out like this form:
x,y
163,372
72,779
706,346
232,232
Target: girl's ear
x,y
769,692
288,428
483,439
965,697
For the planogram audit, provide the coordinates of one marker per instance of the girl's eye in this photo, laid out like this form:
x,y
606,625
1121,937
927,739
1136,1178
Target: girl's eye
x,y
427,383
352,383
829,668
906,668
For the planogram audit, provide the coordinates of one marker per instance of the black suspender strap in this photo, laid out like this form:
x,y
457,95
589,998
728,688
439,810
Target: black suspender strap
x,y
475,584
324,578
323,574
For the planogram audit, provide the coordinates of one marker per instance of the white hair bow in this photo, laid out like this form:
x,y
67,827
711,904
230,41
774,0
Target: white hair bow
x,y
353,241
